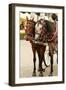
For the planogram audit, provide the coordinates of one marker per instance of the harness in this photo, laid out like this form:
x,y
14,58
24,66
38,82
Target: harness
x,y
45,36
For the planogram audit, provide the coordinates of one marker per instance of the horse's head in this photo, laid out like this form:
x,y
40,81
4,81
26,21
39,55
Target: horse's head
x,y
29,29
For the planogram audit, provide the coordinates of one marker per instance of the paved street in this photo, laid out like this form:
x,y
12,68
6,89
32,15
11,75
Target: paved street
x,y
26,61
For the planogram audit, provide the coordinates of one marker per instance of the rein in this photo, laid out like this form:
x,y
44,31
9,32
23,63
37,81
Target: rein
x,y
36,42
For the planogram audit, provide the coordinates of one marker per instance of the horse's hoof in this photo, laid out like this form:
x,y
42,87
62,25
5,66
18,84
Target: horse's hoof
x,y
50,74
34,74
41,74
41,70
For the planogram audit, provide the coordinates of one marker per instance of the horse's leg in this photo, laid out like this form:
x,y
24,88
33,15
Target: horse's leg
x,y
51,62
51,65
34,61
42,51
57,56
40,65
56,50
41,58
44,48
40,61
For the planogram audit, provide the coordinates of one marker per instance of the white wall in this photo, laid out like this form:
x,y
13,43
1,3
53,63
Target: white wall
x,y
4,45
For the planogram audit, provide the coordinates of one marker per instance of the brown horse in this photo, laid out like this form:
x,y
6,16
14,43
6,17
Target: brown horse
x,y
53,40
39,48
51,37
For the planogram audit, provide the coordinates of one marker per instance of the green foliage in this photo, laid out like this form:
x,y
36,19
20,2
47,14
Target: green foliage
x,y
22,36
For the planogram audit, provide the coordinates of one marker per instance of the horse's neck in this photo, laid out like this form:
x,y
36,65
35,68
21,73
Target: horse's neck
x,y
54,27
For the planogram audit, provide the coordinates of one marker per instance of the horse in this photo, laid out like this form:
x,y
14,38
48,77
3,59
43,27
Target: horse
x,y
53,40
39,48
50,38
49,34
